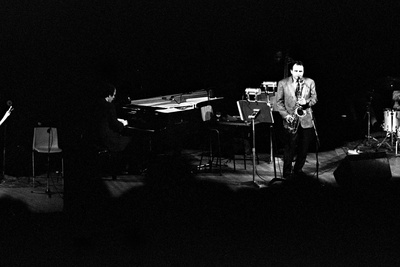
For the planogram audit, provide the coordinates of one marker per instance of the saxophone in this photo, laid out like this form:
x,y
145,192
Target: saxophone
x,y
299,112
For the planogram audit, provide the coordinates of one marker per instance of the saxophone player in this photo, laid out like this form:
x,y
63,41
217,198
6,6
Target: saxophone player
x,y
295,96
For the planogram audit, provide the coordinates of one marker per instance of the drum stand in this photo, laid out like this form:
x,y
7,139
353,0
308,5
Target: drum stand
x,y
368,137
384,142
389,133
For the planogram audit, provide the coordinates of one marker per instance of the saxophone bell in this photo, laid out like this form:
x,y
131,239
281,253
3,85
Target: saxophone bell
x,y
300,112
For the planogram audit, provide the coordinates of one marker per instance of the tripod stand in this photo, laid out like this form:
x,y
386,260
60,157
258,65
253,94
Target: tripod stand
x,y
45,140
368,137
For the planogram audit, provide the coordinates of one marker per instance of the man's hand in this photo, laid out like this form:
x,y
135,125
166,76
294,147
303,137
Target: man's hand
x,y
8,112
124,122
289,119
301,101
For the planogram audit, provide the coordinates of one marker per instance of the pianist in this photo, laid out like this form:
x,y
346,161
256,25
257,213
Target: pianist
x,y
107,127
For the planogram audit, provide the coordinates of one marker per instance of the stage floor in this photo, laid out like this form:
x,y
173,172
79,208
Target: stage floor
x,y
235,177
240,175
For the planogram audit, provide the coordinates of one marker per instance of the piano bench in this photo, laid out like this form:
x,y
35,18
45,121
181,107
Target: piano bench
x,y
106,162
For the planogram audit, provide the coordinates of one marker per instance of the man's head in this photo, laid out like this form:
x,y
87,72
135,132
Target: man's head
x,y
107,91
297,70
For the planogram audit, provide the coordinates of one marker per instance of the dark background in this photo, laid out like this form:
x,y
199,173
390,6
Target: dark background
x,y
53,53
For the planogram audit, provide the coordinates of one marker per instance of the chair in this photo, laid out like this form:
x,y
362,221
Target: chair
x,y
206,115
45,141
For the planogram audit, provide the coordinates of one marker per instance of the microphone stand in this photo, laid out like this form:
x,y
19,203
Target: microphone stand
x,y
9,103
3,174
317,144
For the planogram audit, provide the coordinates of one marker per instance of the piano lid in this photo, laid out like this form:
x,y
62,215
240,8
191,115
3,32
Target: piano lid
x,y
173,98
174,102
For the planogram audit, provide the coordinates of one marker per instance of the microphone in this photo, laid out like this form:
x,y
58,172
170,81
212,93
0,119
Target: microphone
x,y
9,104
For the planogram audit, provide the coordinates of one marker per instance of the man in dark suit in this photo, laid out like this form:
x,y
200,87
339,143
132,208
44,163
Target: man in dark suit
x,y
108,126
296,93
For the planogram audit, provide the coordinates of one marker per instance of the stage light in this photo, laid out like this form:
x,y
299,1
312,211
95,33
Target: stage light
x,y
269,87
252,94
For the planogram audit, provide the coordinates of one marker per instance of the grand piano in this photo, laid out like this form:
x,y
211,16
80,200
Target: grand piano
x,y
167,119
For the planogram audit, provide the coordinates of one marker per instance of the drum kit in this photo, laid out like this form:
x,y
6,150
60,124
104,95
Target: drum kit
x,y
391,122
391,127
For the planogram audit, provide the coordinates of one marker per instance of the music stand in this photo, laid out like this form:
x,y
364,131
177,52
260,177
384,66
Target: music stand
x,y
250,112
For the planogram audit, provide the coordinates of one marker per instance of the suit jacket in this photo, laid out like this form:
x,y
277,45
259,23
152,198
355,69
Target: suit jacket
x,y
286,99
107,127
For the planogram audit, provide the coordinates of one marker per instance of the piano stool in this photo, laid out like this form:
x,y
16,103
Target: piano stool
x,y
106,161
